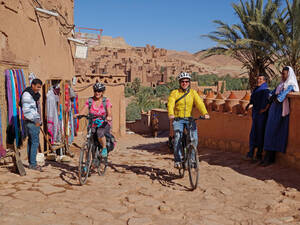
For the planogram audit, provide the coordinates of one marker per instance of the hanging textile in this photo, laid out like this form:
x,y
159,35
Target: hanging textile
x,y
15,108
60,118
22,88
52,115
71,126
14,82
67,98
75,111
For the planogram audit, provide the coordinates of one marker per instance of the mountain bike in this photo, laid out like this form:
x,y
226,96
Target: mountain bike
x,y
90,154
190,155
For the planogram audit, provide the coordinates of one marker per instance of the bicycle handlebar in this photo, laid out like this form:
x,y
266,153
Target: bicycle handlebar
x,y
88,117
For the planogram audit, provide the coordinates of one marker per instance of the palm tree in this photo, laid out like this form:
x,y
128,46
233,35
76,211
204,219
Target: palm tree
x,y
286,37
243,41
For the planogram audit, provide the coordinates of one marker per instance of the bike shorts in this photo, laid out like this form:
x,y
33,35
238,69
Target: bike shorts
x,y
101,131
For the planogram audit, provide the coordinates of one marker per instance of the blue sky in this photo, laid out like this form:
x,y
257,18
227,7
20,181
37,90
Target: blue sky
x,y
170,24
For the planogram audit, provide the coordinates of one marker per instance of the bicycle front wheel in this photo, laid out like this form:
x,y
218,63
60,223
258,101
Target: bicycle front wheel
x,y
102,163
193,166
102,166
84,163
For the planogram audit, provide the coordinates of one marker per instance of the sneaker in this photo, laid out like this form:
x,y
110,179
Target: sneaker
x,y
37,168
104,153
247,158
177,165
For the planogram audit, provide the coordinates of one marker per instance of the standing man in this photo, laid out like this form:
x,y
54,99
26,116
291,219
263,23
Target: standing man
x,y
30,103
259,100
180,105
154,125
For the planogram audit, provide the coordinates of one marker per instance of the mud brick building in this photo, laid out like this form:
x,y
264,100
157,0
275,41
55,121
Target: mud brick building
x,y
150,64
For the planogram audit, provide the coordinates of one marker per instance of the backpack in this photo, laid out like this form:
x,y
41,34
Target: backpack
x,y
110,139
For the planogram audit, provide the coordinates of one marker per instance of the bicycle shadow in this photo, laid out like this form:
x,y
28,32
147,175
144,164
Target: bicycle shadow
x,y
68,173
164,177
159,148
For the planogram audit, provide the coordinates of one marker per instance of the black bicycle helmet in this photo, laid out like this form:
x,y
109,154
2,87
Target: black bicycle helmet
x,y
99,87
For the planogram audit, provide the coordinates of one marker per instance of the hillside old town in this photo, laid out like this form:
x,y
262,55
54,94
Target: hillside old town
x,y
94,130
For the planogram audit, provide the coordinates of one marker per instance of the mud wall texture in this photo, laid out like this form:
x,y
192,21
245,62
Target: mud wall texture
x,y
114,91
230,132
36,39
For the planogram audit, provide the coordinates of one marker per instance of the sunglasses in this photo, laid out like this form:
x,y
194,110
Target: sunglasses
x,y
185,81
98,91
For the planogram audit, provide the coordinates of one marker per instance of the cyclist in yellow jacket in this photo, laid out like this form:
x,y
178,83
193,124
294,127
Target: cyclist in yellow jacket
x,y
180,105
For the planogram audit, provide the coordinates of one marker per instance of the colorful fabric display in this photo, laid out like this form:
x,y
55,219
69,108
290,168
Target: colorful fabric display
x,y
15,85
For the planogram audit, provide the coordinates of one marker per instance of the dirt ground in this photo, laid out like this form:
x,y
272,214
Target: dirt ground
x,y
141,187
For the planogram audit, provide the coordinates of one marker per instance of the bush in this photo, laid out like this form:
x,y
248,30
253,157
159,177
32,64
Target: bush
x,y
161,91
128,91
133,112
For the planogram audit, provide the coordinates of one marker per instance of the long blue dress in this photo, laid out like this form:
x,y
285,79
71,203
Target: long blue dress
x,y
277,127
259,100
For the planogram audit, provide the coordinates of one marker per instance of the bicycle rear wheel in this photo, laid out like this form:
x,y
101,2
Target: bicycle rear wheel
x,y
193,166
84,163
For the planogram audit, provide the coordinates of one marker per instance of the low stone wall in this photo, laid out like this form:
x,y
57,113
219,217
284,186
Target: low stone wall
x,y
141,126
230,132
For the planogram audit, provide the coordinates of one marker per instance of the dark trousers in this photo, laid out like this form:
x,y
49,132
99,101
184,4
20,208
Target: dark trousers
x,y
270,156
250,154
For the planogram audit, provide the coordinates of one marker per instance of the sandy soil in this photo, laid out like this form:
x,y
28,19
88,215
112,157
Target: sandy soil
x,y
142,187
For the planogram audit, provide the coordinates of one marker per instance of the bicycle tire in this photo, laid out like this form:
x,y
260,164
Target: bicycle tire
x,y
102,166
84,164
193,167
182,169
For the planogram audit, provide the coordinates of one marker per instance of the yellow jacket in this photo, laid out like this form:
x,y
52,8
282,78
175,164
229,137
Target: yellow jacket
x,y
183,108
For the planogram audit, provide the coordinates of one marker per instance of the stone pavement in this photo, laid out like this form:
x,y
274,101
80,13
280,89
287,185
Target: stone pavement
x,y
141,188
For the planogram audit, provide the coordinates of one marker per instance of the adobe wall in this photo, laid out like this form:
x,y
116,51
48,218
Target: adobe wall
x,y
114,91
35,42
141,126
230,132
36,39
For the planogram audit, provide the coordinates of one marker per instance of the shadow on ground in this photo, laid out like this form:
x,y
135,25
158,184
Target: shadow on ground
x,y
287,177
156,148
164,177
68,173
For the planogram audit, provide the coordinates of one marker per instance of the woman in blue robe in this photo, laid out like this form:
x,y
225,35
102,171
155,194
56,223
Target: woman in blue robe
x,y
277,127
259,100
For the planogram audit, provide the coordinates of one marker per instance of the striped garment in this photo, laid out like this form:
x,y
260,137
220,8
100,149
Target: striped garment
x,y
30,108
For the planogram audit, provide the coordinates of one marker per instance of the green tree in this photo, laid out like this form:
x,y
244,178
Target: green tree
x,y
133,112
243,41
128,91
286,36
161,91
173,84
136,84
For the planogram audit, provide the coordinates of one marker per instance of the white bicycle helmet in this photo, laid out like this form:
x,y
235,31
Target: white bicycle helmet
x,y
99,87
184,75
